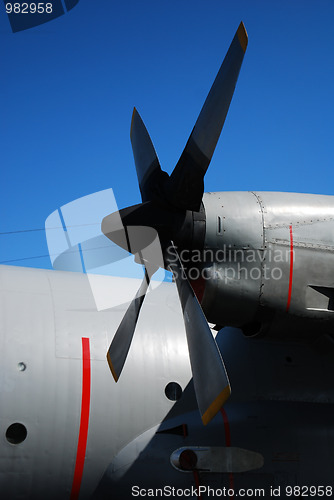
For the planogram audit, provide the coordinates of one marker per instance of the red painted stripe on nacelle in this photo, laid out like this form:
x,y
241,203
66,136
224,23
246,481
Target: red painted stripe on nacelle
x,y
198,286
291,271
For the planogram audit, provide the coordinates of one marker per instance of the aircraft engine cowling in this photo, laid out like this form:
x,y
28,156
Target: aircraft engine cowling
x,y
233,229
262,259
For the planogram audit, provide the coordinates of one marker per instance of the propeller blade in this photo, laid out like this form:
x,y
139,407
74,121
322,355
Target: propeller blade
x,y
211,382
185,187
149,173
120,345
144,243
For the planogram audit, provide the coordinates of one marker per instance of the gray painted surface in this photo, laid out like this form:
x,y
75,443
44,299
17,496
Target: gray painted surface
x,y
44,316
258,233
282,384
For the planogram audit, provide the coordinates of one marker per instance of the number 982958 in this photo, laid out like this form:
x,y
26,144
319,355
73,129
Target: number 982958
x,y
309,491
29,8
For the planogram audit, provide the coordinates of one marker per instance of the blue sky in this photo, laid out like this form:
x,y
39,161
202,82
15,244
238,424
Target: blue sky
x,y
68,88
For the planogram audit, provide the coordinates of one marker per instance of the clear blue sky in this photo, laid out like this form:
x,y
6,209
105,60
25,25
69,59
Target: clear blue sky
x,y
68,88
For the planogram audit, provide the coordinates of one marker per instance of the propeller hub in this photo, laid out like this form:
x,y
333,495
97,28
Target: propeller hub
x,y
135,228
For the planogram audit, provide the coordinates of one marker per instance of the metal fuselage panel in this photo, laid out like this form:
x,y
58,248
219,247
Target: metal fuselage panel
x,y
279,408
44,317
234,229
274,252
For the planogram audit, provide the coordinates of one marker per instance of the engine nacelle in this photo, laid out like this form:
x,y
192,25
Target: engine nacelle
x,y
267,254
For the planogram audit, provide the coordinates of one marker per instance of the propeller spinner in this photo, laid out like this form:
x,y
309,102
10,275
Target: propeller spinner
x,y
170,207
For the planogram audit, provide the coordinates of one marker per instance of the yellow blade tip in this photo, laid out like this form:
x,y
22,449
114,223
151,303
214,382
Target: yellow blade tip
x,y
242,36
112,368
216,405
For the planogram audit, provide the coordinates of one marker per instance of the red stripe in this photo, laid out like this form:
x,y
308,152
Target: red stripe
x,y
196,477
195,472
198,286
84,420
226,427
291,271
228,443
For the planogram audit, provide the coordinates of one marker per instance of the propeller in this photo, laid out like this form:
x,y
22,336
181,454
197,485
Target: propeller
x,y
172,213
212,387
149,255
186,184
121,342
